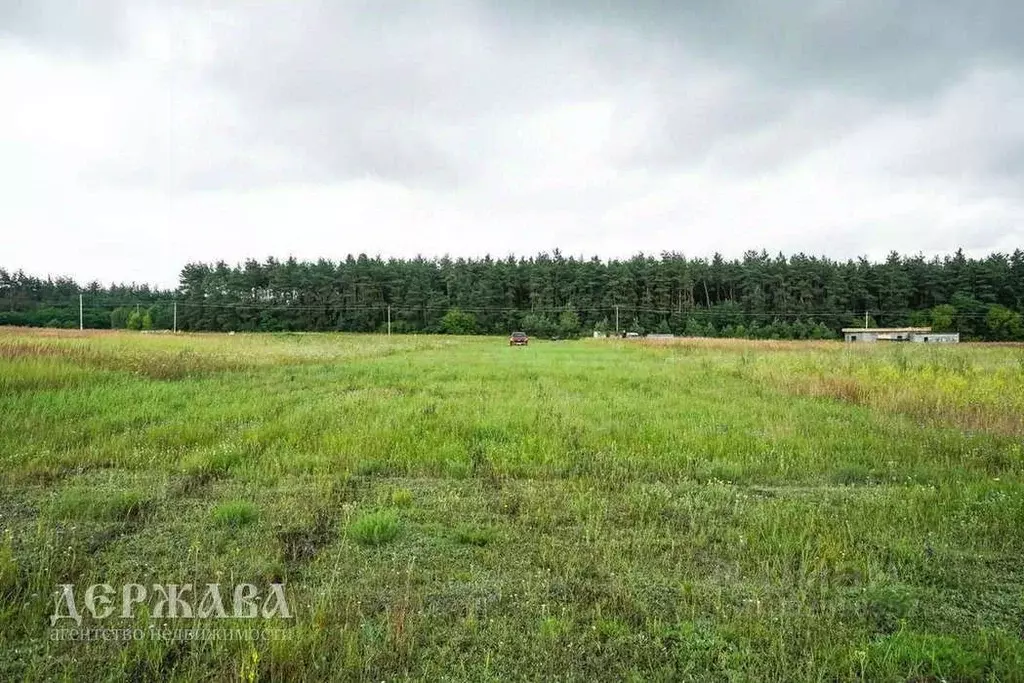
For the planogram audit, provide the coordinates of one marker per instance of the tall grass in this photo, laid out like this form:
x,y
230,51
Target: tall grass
x,y
444,508
970,387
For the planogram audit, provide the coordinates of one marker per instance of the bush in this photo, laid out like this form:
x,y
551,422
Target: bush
x,y
538,325
119,318
568,324
942,317
694,328
134,321
1004,324
456,321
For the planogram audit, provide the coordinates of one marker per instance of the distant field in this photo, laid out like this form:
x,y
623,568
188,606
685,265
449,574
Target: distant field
x,y
452,508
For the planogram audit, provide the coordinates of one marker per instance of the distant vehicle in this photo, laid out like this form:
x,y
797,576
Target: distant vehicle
x,y
518,339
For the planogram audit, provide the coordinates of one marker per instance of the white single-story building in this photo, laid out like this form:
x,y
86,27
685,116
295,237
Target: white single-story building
x,y
937,338
921,335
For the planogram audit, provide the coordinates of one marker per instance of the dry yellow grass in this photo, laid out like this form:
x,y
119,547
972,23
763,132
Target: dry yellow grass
x,y
974,387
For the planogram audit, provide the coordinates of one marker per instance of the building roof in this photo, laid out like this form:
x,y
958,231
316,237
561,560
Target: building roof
x,y
888,330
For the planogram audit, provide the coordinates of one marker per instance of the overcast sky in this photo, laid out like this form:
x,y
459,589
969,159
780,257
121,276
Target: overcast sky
x,y
138,135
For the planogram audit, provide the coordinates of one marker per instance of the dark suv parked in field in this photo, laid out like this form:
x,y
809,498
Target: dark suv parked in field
x,y
518,339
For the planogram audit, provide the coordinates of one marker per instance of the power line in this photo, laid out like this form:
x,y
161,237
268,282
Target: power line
x,y
382,307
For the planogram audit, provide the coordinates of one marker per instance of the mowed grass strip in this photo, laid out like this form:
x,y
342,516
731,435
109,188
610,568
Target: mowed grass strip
x,y
454,508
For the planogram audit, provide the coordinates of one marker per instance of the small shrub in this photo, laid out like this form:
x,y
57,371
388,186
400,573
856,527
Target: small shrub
x,y
235,513
375,528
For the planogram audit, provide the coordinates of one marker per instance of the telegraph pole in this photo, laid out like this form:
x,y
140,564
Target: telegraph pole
x,y
617,320
865,319
389,320
81,322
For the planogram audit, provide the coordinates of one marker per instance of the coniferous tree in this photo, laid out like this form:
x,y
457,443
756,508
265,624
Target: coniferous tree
x,y
756,295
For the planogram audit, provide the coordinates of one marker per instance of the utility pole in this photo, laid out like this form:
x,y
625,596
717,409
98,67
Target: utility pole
x,y
865,318
616,320
389,320
175,328
81,322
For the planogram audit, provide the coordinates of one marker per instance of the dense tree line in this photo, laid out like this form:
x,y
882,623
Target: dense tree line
x,y
53,302
553,295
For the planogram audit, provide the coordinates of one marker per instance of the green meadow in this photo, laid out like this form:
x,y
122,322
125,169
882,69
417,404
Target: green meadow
x,y
450,508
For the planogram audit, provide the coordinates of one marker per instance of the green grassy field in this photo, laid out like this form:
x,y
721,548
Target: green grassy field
x,y
455,509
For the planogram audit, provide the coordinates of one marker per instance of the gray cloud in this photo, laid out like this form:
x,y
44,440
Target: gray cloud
x,y
416,96
408,96
419,95
888,49
603,124
974,133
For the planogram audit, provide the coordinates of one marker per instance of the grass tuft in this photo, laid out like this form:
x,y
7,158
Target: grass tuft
x,y
375,528
99,505
478,536
235,513
401,498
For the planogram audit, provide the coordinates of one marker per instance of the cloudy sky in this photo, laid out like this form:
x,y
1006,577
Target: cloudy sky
x,y
137,135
